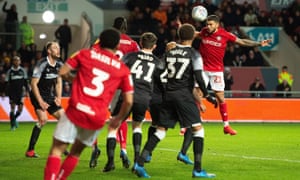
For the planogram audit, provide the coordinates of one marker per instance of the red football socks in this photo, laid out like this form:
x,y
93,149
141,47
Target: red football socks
x,y
67,167
122,135
223,111
52,167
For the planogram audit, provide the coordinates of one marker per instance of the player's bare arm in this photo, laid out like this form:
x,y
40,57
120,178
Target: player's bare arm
x,y
58,88
251,43
197,34
65,73
198,97
115,121
36,93
170,45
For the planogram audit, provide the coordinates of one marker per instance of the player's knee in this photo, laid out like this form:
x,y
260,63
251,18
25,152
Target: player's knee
x,y
137,130
199,133
58,114
112,134
160,134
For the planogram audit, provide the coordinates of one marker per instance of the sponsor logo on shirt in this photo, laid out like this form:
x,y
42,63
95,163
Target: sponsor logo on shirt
x,y
213,43
51,76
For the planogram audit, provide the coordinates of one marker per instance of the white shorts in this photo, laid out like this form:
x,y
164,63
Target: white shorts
x,y
215,79
67,132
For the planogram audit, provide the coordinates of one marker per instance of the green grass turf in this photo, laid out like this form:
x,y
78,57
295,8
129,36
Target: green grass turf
x,y
260,151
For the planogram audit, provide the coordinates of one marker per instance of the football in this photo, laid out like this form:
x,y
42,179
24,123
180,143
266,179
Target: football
x,y
199,13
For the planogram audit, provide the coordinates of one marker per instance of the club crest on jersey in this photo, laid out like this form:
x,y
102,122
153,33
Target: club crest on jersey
x,y
218,38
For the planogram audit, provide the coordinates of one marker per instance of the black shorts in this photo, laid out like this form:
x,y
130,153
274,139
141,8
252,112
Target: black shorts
x,y
52,106
154,112
138,111
16,99
175,109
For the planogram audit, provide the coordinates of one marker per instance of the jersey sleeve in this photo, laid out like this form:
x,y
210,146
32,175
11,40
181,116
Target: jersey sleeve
x,y
231,37
197,61
38,69
200,34
25,74
128,57
161,64
7,76
73,61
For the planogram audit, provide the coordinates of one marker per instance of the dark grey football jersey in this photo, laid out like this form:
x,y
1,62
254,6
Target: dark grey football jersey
x,y
16,79
142,66
182,61
47,75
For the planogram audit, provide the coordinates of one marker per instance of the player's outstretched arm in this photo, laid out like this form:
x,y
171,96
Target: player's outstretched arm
x,y
251,43
266,42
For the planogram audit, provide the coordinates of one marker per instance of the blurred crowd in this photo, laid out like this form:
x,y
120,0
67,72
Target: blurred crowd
x,y
163,21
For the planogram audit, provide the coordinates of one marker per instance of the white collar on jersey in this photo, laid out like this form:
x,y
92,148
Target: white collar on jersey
x,y
51,64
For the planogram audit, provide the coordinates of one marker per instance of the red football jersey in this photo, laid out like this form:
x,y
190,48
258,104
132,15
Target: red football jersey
x,y
212,48
127,45
99,74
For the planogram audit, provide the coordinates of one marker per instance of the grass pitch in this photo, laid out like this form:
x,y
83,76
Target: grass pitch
x,y
260,151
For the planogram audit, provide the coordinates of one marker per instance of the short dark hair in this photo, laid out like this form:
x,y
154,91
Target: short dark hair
x,y
109,38
186,32
120,23
213,17
148,40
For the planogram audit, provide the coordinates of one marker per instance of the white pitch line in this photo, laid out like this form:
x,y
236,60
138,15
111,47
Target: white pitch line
x,y
239,156
258,158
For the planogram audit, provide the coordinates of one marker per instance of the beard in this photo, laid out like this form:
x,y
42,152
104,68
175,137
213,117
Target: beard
x,y
212,30
55,56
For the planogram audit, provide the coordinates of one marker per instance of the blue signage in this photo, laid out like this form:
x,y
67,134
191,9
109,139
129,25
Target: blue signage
x,y
263,33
